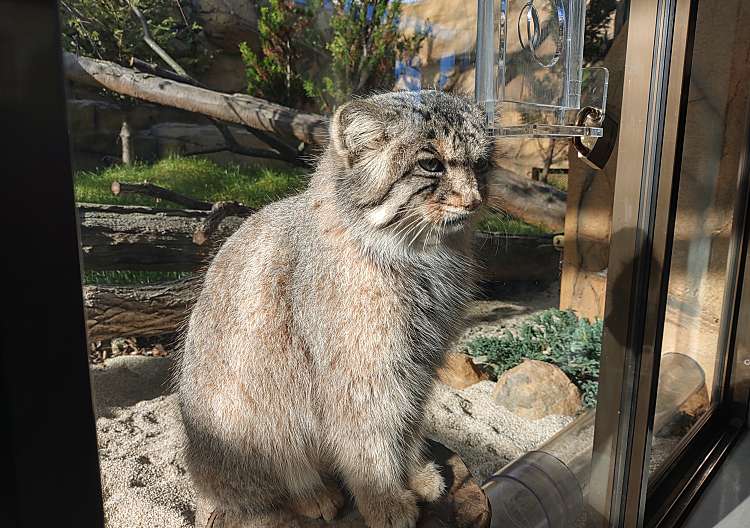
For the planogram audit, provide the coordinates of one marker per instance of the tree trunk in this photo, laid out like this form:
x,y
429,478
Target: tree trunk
x,y
121,311
116,237
531,201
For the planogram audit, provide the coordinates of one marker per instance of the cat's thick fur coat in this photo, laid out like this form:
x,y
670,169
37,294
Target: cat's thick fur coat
x,y
313,344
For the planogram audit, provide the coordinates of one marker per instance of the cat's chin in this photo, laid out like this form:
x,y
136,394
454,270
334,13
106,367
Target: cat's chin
x,y
454,227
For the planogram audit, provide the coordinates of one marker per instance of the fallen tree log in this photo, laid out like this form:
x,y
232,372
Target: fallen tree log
x,y
533,202
512,258
235,108
137,238
119,237
119,311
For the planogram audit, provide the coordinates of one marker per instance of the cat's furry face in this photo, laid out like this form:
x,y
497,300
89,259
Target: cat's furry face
x,y
410,165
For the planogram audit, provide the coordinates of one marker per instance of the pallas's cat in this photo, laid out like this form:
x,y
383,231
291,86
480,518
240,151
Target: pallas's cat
x,y
313,344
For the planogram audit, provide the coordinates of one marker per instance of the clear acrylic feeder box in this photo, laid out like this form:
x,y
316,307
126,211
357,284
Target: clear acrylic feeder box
x,y
530,77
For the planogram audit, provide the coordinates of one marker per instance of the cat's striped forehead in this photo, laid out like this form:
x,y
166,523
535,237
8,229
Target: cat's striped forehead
x,y
453,124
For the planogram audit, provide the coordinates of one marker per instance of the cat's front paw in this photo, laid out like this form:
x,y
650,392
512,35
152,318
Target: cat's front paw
x,y
427,482
393,512
326,503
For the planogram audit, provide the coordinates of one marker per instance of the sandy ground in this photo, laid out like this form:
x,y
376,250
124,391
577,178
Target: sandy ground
x,y
144,480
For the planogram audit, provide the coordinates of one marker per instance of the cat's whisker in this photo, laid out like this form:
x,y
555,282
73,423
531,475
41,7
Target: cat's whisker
x,y
412,222
424,224
404,233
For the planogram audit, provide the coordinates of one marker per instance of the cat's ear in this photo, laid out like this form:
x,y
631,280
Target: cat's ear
x,y
356,126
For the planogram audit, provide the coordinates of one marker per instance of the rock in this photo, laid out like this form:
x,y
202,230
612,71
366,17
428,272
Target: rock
x,y
226,23
226,73
185,139
535,389
459,371
464,505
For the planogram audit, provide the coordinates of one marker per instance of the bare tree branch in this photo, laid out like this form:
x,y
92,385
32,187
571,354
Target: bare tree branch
x,y
148,39
284,153
219,212
155,69
160,193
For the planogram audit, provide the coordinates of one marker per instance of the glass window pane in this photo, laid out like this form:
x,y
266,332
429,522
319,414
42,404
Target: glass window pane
x,y
690,376
167,173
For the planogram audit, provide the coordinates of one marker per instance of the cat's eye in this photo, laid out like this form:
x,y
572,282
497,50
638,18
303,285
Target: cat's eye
x,y
431,164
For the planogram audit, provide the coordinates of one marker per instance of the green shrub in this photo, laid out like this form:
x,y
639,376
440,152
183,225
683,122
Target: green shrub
x,y
364,42
555,336
324,51
285,31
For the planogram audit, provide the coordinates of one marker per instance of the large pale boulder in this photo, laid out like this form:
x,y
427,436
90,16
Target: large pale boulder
x,y
535,389
485,435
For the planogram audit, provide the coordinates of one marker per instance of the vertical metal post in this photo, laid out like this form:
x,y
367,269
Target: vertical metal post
x,y
654,99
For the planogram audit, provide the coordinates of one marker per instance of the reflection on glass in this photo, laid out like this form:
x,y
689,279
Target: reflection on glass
x,y
688,380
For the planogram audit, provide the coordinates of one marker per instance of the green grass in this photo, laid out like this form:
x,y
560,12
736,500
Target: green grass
x,y
203,179
508,225
194,177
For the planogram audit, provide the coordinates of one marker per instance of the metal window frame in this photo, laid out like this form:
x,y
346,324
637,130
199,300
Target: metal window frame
x,y
50,461
657,73
642,216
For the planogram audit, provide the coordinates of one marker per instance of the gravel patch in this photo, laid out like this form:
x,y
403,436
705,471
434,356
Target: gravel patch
x,y
485,435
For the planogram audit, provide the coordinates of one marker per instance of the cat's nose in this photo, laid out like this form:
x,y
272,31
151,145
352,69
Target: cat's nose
x,y
473,202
